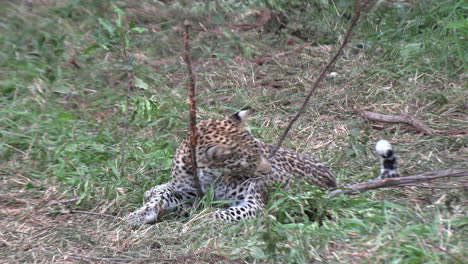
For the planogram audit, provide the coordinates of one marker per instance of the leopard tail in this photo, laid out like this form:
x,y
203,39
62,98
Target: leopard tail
x,y
388,159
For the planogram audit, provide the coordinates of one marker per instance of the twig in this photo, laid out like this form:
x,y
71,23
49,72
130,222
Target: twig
x,y
42,233
126,123
193,108
398,182
444,250
361,6
112,259
93,213
435,187
262,59
265,15
408,119
174,258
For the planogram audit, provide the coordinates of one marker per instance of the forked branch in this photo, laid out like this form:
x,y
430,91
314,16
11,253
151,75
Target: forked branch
x,y
193,108
399,182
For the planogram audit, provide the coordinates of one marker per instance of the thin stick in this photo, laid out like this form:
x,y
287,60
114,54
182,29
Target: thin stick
x,y
362,5
193,108
173,258
399,182
126,123
444,250
411,120
94,213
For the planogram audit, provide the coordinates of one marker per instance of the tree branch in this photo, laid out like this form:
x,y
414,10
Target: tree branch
x,y
193,108
363,5
126,121
409,119
399,182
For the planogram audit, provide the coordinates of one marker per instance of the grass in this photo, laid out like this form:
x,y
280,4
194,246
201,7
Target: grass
x,y
64,74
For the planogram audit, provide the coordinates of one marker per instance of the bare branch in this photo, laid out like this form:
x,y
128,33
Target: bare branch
x,y
193,108
201,254
126,122
399,182
265,15
263,59
446,251
94,213
360,6
411,120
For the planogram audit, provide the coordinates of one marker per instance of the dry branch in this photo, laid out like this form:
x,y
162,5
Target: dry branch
x,y
201,254
262,59
94,213
411,120
265,15
399,182
193,108
360,6
126,121
445,250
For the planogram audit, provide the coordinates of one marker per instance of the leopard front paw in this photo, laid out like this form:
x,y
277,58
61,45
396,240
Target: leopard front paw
x,y
144,215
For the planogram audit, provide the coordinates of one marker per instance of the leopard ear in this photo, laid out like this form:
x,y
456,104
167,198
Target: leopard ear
x,y
217,153
241,116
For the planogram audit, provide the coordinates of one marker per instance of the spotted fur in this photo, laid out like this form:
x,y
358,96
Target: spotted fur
x,y
234,163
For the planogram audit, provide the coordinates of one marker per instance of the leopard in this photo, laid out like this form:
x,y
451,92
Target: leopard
x,y
237,168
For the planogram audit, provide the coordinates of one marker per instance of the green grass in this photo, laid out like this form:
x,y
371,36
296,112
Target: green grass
x,y
63,86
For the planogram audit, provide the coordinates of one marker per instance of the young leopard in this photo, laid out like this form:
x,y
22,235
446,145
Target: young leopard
x,y
234,163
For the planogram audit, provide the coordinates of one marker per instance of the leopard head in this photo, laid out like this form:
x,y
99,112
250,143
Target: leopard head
x,y
228,144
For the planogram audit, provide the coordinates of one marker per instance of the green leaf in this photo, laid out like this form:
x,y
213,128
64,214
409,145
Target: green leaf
x,y
127,42
459,24
106,25
217,19
139,83
410,50
258,252
104,46
138,29
91,48
63,116
120,15
63,90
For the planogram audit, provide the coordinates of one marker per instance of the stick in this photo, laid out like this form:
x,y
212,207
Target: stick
x,y
399,182
193,108
126,123
94,213
408,119
446,251
361,5
265,15
174,258
263,59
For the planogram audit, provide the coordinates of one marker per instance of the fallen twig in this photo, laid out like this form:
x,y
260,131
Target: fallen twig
x,y
360,6
399,182
94,213
174,258
444,250
408,119
112,259
262,59
126,120
193,108
265,15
